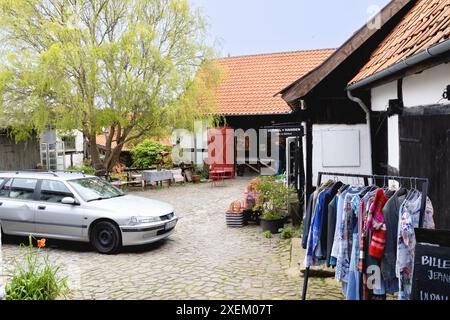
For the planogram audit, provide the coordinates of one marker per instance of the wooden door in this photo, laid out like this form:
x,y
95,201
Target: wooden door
x,y
425,152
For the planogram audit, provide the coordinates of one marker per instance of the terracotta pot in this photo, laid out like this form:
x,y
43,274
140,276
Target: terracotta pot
x,y
196,179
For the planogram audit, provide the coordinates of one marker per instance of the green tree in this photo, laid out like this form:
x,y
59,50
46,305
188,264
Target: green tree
x,y
128,66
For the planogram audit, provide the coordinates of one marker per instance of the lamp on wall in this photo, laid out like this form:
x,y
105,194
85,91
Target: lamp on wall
x,y
446,94
395,107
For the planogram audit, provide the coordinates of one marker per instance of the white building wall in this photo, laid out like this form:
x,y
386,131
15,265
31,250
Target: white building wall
x,y
421,89
381,96
365,152
427,87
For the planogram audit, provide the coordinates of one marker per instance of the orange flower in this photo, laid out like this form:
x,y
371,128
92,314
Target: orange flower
x,y
41,243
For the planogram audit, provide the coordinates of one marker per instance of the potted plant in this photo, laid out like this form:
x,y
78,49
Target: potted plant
x,y
273,197
196,175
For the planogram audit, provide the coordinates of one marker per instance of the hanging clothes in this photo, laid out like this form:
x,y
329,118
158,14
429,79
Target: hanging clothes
x,y
391,217
311,211
408,220
367,234
345,234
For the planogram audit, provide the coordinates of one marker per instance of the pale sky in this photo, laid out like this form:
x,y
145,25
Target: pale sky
x,y
240,27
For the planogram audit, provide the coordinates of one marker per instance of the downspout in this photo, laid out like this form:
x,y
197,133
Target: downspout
x,y
368,120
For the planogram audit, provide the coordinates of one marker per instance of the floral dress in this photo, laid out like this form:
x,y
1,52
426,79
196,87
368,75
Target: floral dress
x,y
409,217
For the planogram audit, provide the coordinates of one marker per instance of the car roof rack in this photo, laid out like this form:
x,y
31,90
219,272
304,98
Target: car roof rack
x,y
71,171
38,171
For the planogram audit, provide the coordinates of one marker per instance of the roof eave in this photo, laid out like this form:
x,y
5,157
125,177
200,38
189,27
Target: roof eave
x,y
298,89
421,57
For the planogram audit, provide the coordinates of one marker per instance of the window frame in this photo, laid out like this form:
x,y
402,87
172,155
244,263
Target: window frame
x,y
39,192
8,197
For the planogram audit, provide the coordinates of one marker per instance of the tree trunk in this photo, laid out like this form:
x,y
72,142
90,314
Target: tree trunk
x,y
95,155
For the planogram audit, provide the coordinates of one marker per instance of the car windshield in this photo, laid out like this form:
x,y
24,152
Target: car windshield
x,y
93,189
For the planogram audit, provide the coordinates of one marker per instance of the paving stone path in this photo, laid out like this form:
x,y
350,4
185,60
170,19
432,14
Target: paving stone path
x,y
203,259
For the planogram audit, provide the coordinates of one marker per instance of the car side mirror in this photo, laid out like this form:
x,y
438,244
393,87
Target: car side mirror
x,y
69,200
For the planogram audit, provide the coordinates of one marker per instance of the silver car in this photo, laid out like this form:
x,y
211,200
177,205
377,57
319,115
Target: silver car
x,y
74,206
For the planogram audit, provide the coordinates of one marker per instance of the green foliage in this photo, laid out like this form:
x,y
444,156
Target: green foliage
x,y
85,168
267,234
287,233
273,215
31,281
148,154
273,197
138,68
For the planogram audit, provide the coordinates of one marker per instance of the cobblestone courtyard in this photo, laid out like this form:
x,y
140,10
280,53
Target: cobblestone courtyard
x,y
203,259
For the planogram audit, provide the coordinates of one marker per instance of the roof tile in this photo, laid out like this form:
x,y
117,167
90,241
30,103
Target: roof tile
x,y
426,24
250,82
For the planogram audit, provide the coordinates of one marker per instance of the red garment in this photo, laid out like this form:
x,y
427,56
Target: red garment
x,y
378,244
376,224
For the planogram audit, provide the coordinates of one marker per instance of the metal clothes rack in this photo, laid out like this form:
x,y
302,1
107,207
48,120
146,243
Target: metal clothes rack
x,y
424,188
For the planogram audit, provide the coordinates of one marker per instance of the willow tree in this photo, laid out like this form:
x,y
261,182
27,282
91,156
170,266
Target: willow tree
x,y
127,66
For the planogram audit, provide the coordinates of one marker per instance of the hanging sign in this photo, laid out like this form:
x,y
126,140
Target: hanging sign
x,y
287,130
431,280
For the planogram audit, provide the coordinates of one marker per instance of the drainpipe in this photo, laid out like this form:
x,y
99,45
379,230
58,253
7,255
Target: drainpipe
x,y
368,120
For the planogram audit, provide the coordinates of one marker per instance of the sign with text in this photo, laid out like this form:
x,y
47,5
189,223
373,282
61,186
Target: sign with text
x,y
431,273
287,130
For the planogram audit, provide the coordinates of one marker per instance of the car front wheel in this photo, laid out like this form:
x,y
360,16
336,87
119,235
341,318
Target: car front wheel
x,y
105,237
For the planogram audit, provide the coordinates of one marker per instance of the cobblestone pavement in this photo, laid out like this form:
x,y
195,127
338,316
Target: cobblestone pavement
x,y
203,259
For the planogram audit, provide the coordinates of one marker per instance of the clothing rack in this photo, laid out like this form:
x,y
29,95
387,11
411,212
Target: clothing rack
x,y
424,188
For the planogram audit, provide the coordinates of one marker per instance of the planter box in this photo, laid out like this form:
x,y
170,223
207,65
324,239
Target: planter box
x,y
273,225
235,220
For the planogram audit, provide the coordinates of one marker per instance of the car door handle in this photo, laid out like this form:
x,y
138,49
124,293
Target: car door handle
x,y
41,207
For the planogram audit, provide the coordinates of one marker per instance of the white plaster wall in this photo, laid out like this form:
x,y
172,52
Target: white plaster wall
x,y
381,96
421,89
427,87
365,166
393,142
79,141
77,160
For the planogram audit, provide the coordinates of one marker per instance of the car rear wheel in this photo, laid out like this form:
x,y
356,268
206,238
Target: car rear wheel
x,y
105,237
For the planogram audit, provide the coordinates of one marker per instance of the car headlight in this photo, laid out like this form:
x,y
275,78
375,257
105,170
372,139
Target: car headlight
x,y
142,220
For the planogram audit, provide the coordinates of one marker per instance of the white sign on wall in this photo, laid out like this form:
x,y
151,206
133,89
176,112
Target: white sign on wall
x,y
341,148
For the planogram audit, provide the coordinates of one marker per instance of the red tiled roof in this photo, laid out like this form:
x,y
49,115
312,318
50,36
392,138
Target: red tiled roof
x,y
426,24
250,82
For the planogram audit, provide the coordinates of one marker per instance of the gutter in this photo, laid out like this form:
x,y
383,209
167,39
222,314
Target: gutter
x,y
413,60
368,120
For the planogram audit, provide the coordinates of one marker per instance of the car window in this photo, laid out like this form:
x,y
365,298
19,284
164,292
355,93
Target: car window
x,y
22,189
91,189
4,192
54,191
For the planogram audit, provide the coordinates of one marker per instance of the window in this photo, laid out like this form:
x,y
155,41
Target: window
x,y
92,189
4,192
54,191
69,142
22,189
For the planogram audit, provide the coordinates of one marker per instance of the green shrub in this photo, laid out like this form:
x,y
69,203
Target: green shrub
x,y
85,168
287,233
273,197
147,154
267,234
33,281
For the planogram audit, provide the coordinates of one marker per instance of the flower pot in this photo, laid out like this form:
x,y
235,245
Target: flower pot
x,y
273,225
235,220
196,179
